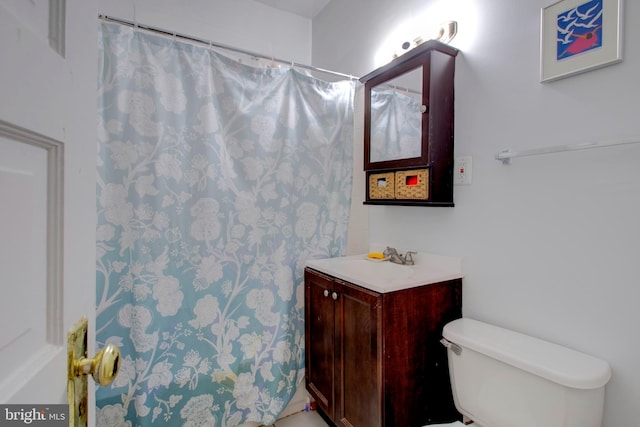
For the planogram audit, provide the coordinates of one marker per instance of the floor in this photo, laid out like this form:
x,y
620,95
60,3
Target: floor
x,y
302,419
312,419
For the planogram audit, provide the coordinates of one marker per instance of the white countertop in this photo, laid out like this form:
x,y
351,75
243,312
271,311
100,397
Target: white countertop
x,y
385,276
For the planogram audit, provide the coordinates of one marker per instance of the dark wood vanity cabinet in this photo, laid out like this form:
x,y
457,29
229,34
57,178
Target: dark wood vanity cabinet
x,y
374,359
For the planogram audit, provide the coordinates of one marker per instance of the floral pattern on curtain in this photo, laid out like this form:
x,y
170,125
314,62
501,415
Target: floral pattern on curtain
x,y
216,182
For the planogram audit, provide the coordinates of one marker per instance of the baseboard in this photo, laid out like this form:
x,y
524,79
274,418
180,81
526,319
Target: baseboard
x,y
297,404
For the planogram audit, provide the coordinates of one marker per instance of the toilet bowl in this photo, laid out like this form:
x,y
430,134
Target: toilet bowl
x,y
501,378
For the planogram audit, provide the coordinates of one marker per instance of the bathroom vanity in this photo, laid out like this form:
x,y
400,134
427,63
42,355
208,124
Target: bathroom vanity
x,y
373,357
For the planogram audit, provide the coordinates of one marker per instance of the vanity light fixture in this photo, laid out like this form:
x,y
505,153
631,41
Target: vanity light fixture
x,y
446,32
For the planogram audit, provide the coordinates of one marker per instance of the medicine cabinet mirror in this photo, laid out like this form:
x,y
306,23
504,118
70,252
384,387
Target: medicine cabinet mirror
x,y
409,108
396,119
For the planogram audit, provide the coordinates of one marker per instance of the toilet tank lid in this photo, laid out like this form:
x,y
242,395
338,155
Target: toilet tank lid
x,y
551,361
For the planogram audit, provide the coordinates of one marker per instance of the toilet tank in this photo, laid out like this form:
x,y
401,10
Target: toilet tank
x,y
502,378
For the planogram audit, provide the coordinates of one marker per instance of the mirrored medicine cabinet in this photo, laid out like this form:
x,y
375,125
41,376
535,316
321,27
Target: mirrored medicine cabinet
x,y
408,129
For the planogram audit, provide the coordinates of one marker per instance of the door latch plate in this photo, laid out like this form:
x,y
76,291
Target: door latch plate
x,y
77,386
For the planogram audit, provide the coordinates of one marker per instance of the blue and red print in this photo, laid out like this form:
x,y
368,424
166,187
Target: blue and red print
x,y
579,29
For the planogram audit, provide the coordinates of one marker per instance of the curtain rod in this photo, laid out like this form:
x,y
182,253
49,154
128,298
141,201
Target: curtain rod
x,y
219,45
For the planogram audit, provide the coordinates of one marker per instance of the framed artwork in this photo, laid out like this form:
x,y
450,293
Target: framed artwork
x,y
578,36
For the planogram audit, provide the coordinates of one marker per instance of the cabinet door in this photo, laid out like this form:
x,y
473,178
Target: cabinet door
x,y
359,356
320,340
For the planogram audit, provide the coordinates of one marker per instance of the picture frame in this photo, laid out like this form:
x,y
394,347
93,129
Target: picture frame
x,y
578,36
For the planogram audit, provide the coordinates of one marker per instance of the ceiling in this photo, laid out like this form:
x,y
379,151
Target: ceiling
x,y
305,8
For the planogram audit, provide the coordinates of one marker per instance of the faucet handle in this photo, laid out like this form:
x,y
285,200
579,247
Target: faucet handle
x,y
408,258
389,251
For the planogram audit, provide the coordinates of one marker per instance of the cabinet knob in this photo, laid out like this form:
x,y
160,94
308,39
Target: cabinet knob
x,y
334,296
326,292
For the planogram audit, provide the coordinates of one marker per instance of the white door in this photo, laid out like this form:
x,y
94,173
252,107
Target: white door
x,y
48,52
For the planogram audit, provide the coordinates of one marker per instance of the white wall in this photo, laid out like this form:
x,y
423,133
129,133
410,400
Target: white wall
x,y
550,244
243,24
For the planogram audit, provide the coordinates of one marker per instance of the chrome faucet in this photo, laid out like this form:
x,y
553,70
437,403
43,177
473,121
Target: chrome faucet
x,y
397,258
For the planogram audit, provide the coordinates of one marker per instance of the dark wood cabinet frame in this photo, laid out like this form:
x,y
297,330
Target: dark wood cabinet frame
x,y
438,67
375,359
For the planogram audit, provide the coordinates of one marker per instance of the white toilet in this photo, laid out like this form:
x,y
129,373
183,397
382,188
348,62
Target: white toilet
x,y
502,378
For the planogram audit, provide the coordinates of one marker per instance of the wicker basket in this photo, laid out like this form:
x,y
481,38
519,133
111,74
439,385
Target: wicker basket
x,y
382,185
412,184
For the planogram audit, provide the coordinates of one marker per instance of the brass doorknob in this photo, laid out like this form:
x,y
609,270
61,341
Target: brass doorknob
x,y
103,367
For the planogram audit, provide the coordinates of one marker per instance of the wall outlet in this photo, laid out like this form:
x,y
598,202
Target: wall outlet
x,y
462,170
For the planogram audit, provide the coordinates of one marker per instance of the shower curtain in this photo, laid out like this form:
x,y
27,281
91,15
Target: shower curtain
x,y
216,181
